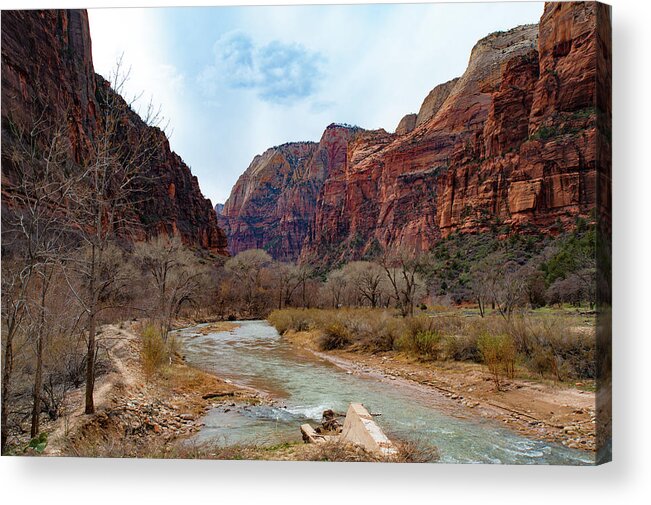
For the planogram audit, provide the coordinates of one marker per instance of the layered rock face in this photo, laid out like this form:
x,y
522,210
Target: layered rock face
x,y
406,124
48,76
434,100
269,205
514,141
273,203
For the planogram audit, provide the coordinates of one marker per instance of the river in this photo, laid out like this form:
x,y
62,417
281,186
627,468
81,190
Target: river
x,y
304,385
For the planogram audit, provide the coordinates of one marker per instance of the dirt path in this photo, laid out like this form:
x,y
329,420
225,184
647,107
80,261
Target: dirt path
x,y
547,411
136,409
121,347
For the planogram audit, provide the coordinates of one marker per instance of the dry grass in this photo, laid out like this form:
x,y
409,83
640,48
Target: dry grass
x,y
108,442
156,350
548,344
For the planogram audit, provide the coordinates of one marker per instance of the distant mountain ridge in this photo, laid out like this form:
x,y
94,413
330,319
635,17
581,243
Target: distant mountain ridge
x,y
514,141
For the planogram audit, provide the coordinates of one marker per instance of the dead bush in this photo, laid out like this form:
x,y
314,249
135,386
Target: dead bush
x,y
499,354
334,336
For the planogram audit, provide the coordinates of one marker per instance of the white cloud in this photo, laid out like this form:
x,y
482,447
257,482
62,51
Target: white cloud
x,y
279,72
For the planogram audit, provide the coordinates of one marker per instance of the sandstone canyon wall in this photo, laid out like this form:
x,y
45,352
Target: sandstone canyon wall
x,y
47,73
273,203
517,140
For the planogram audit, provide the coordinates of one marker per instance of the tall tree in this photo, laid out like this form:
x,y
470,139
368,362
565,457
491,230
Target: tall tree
x,y
403,269
335,287
247,268
101,205
33,238
368,280
175,274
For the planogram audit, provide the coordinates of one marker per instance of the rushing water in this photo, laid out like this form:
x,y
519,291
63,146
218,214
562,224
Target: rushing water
x,y
254,355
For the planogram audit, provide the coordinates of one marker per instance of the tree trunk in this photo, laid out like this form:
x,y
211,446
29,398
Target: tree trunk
x,y
8,361
38,375
38,384
90,355
90,364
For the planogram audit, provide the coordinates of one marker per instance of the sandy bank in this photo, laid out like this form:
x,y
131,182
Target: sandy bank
x,y
561,413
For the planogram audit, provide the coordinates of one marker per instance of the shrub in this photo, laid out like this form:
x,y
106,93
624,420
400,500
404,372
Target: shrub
x,y
281,320
499,354
427,344
385,337
421,338
294,319
155,352
541,361
461,348
568,354
418,324
334,336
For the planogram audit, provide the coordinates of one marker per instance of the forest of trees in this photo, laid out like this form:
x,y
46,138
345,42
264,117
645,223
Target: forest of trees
x,y
523,271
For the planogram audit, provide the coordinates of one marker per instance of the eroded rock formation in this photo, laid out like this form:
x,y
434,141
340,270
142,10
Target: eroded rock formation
x,y
48,76
273,203
514,141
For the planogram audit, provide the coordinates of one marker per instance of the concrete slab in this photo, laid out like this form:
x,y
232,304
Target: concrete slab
x,y
310,436
360,428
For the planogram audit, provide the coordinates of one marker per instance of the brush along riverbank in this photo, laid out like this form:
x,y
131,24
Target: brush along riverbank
x,y
156,413
445,355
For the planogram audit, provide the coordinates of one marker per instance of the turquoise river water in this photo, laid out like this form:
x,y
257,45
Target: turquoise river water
x,y
303,386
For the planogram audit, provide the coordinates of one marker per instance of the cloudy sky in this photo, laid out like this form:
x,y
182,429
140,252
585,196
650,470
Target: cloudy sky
x,y
233,81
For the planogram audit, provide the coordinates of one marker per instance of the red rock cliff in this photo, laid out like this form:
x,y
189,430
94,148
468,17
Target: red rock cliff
x,y
268,207
47,72
272,206
517,140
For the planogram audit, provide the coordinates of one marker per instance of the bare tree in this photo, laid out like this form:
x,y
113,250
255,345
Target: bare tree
x,y
175,274
403,269
335,287
101,204
502,282
484,280
286,281
303,274
247,269
33,238
367,278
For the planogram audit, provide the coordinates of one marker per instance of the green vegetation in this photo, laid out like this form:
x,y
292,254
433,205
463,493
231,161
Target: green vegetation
x,y
572,249
157,349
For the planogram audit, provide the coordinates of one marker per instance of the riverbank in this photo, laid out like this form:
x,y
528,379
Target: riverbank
x,y
561,413
137,415
158,416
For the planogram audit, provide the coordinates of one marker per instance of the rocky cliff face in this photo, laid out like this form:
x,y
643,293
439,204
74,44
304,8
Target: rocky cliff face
x,y
48,76
433,101
514,141
406,124
269,205
272,206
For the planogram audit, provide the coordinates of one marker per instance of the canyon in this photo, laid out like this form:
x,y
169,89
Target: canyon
x,y
48,80
520,141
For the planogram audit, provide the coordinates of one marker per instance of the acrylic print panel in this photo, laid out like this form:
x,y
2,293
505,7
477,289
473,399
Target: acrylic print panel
x,y
393,244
